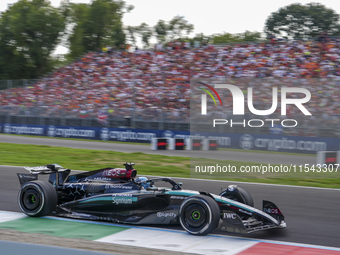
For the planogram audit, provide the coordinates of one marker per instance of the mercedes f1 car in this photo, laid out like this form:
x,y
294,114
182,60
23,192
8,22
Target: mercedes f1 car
x,y
117,195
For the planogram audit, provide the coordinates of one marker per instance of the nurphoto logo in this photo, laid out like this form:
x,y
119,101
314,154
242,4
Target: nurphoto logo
x,y
238,105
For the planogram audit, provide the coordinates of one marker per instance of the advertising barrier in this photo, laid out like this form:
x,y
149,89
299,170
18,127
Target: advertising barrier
x,y
196,144
279,143
328,157
159,143
179,144
210,145
176,143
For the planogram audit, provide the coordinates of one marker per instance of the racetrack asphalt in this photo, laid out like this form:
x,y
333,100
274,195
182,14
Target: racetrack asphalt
x,y
221,155
311,213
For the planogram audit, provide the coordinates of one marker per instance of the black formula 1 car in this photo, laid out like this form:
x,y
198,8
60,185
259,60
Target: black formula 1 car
x,y
116,195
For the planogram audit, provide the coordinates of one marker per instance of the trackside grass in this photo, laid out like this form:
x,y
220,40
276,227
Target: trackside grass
x,y
147,164
148,144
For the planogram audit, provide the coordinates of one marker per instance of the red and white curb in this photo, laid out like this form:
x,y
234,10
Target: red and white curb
x,y
181,241
178,241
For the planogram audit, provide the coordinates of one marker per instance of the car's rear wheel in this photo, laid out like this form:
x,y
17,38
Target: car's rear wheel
x,y
37,198
199,215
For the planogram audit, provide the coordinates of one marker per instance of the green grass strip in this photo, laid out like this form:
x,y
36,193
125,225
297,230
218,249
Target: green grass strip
x,y
61,228
83,159
148,144
148,164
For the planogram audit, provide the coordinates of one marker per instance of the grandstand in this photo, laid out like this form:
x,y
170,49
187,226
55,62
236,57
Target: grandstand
x,y
153,87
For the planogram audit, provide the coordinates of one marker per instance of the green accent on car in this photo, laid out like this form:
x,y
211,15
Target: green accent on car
x,y
89,200
194,217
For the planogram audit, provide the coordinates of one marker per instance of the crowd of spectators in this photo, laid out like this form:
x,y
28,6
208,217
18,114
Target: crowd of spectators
x,y
155,85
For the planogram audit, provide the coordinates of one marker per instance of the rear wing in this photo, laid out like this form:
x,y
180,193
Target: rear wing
x,y
57,174
48,169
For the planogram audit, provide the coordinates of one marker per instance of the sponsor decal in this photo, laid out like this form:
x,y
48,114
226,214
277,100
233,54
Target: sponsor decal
x,y
246,212
178,197
272,210
106,134
81,214
122,195
121,199
168,134
246,142
114,173
27,177
166,214
9,129
117,186
229,216
102,179
255,141
52,131
284,143
37,168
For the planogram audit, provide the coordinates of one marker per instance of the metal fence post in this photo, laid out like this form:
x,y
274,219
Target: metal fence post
x,y
161,121
133,122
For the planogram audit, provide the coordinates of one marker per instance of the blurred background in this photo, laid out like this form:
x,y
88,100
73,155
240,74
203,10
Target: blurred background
x,y
115,75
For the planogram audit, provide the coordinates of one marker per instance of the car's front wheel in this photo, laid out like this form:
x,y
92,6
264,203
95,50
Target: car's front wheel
x,y
238,194
37,198
199,215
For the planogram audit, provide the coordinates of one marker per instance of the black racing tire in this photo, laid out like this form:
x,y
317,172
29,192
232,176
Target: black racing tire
x,y
199,215
37,198
244,197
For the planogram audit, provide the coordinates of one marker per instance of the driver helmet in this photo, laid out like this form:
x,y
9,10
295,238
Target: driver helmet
x,y
143,181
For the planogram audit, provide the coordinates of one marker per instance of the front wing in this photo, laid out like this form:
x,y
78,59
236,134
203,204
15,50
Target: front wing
x,y
233,223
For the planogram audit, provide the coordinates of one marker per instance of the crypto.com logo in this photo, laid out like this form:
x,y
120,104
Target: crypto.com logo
x,y
238,103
